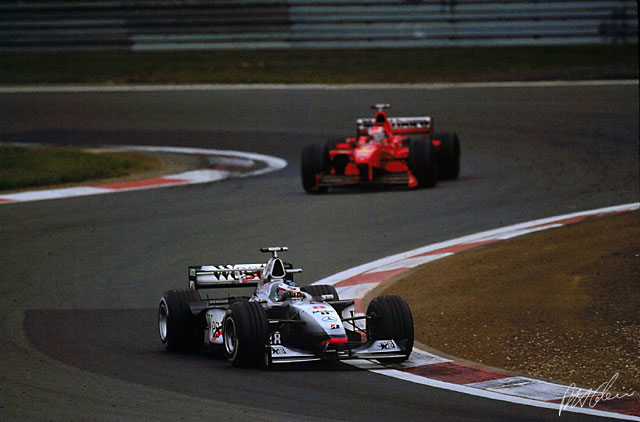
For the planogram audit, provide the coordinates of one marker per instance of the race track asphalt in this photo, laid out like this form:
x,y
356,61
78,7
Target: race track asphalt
x,y
81,277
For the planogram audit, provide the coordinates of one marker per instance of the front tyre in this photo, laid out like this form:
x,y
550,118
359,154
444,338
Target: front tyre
x,y
179,329
313,161
389,317
245,333
422,163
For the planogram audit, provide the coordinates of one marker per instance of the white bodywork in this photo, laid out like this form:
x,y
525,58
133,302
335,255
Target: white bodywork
x,y
320,318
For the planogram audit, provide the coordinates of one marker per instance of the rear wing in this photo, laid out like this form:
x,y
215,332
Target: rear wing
x,y
399,125
222,276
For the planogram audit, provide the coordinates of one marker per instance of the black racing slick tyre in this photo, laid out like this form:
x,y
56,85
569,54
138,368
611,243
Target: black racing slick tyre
x,y
449,155
245,333
389,317
313,164
318,290
422,163
179,329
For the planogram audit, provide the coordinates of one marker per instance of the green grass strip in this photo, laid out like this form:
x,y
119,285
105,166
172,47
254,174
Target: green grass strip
x,y
30,167
322,66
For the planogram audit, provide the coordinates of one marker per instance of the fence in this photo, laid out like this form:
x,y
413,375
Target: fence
x,y
266,24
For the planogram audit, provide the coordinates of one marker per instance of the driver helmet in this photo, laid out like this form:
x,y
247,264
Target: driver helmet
x,y
377,133
288,288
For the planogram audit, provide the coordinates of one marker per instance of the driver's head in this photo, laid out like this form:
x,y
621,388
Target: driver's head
x,y
377,133
288,288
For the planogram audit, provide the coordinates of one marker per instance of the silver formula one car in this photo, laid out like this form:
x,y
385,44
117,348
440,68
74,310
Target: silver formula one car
x,y
280,322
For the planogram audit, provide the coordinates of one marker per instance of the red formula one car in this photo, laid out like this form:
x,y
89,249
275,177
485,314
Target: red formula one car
x,y
386,151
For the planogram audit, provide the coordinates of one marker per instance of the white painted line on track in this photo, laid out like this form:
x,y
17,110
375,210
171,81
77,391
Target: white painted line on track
x,y
286,87
527,231
424,367
184,178
359,290
524,387
412,262
53,194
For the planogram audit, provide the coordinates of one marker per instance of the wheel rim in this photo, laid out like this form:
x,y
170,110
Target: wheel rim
x,y
162,321
230,337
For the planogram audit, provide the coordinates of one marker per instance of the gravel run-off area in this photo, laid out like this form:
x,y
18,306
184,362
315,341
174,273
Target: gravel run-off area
x,y
561,304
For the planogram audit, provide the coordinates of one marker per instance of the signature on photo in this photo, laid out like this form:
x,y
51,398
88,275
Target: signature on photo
x,y
578,397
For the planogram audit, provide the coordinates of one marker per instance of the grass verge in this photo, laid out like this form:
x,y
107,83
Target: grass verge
x,y
426,65
32,167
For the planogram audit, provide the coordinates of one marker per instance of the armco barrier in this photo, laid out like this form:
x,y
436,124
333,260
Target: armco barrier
x,y
270,24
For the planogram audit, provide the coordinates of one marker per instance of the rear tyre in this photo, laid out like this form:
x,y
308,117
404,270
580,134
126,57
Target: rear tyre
x,y
422,163
179,329
313,164
317,290
245,332
390,318
449,157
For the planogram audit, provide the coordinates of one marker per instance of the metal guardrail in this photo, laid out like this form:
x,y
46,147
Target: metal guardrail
x,y
270,24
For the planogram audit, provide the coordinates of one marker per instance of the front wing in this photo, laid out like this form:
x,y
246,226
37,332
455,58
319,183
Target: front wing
x,y
378,349
329,180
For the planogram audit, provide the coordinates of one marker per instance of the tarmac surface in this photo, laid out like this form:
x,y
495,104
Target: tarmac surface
x,y
81,277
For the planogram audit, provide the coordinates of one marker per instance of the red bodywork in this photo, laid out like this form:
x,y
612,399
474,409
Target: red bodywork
x,y
362,159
